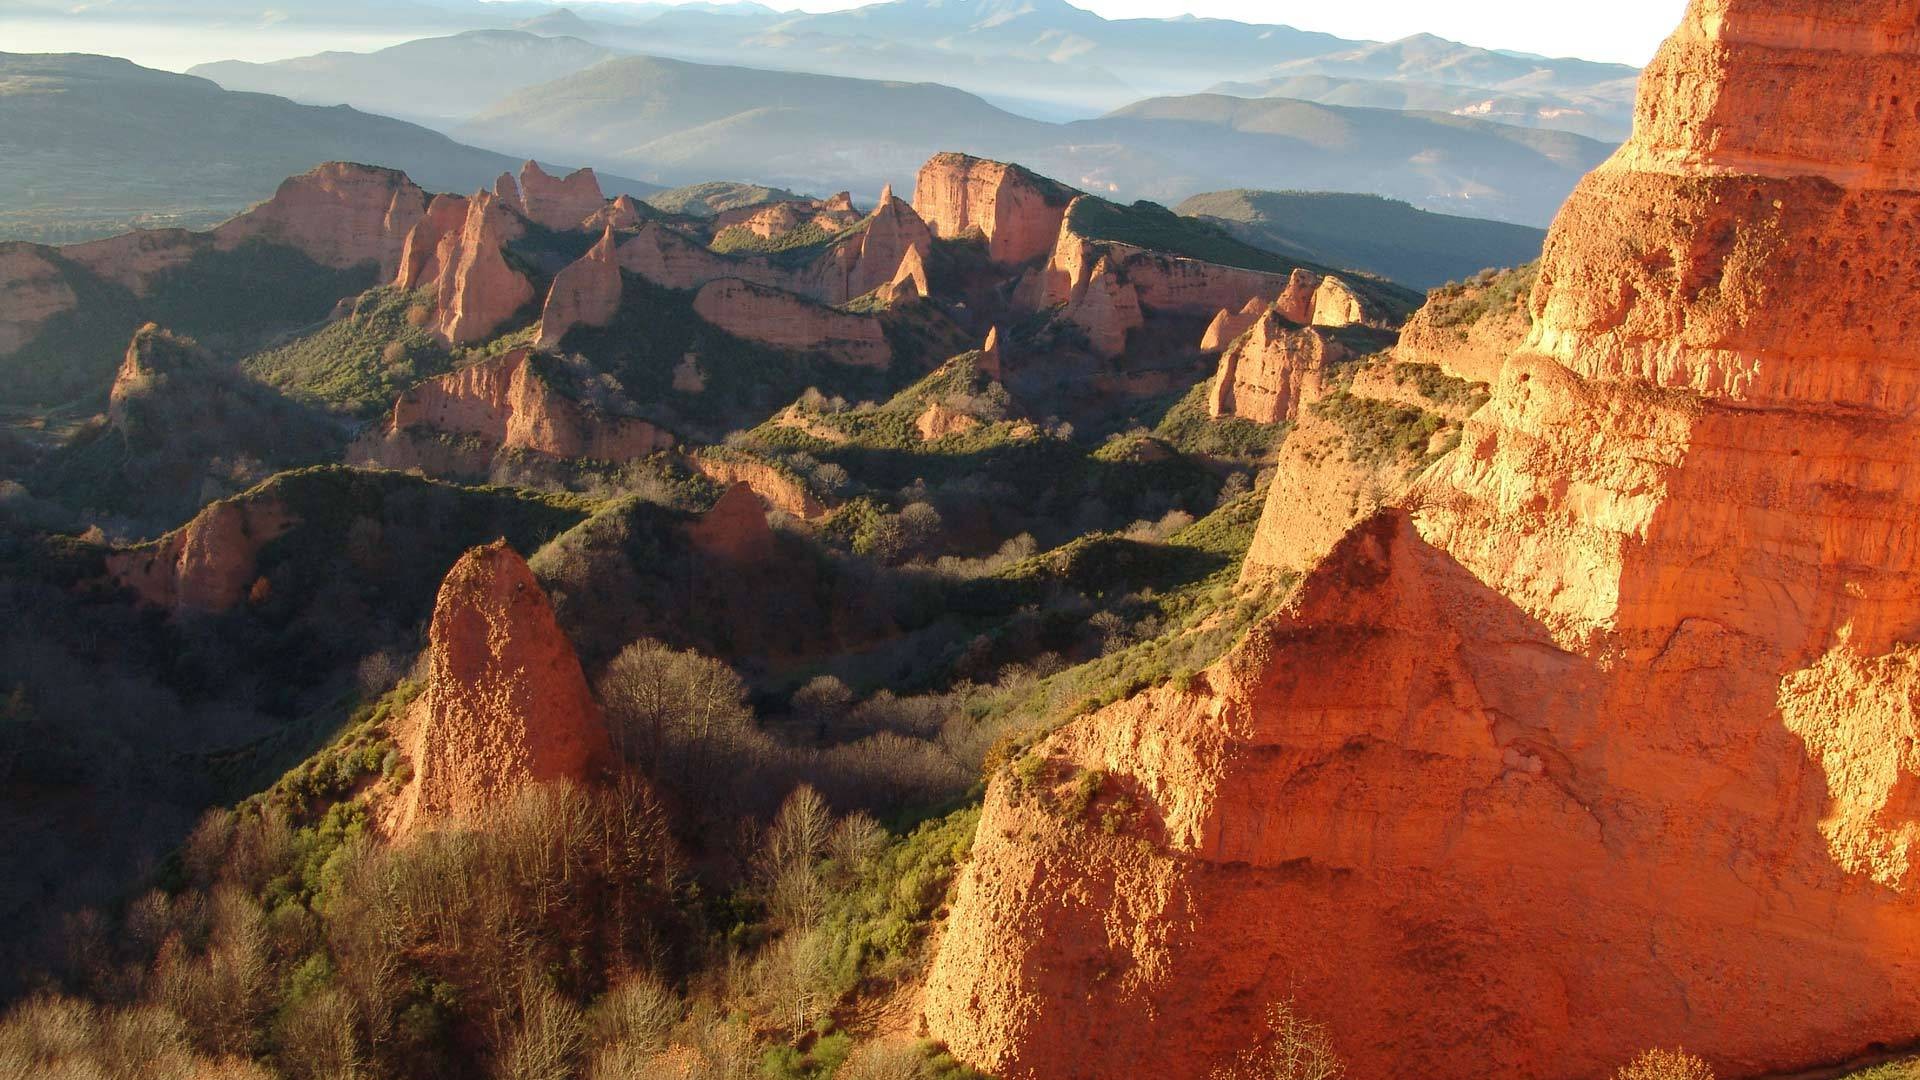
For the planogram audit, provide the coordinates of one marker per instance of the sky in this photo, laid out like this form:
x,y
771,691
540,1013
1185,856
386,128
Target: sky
x,y
1623,31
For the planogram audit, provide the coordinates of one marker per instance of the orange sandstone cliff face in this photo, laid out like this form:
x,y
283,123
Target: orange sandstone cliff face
x,y
506,705
341,215
1601,741
1017,212
783,320
207,565
560,204
1272,371
456,249
586,293
457,423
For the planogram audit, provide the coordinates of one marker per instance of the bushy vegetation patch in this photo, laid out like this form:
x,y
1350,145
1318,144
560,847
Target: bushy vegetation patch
x,y
1488,293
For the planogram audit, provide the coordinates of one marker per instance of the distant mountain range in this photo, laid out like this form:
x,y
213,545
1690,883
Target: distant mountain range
x,y
673,122
91,144
1045,59
1366,232
1425,72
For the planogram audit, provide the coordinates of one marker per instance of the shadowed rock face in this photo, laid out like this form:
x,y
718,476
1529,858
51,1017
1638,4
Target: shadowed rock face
x,y
586,293
786,321
506,705
1602,742
207,565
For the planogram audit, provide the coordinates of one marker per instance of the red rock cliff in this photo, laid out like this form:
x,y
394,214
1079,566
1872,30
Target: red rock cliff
x,y
587,293
1602,742
339,214
506,705
1272,371
783,320
207,565
559,204
1018,213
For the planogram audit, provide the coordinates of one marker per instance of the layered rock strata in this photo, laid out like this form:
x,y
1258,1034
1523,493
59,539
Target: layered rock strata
x,y
786,321
1597,742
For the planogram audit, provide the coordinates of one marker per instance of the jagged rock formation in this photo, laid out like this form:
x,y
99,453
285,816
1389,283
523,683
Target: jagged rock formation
x,y
207,565
992,360
562,205
1106,307
456,249
1272,371
623,213
891,247
183,428
338,214
884,249
786,321
505,707
586,293
456,424
1600,742
1018,213
1227,326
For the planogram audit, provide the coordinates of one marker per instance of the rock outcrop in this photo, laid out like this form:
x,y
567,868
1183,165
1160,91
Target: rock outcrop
x,y
456,424
786,321
769,220
735,531
939,421
781,490
586,293
1272,371
560,204
624,213
1468,330
1227,326
891,246
1600,742
506,706
475,291
1015,211
207,565
339,215
1106,307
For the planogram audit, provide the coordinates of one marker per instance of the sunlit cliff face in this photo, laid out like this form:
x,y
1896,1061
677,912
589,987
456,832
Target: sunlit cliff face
x,y
1598,741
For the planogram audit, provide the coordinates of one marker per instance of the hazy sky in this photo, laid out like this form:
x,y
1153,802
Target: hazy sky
x,y
1627,31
